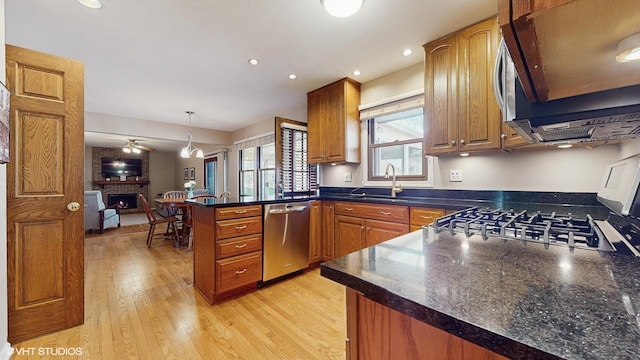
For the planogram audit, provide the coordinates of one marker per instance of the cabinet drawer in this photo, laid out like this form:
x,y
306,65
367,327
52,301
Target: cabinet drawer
x,y
237,271
235,212
238,227
238,245
424,216
395,213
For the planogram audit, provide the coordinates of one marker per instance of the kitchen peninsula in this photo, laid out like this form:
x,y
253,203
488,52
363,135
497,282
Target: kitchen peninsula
x,y
487,297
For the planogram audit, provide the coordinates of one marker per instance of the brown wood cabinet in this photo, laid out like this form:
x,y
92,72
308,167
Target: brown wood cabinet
x,y
333,123
359,225
376,332
420,216
461,111
227,250
315,232
328,230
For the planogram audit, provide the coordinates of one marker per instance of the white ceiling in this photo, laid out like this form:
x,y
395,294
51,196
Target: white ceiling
x,y
153,60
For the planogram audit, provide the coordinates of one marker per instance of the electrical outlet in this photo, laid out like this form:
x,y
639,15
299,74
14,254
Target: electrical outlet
x,y
347,177
455,175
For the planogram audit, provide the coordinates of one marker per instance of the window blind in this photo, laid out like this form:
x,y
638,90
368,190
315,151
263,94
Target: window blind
x,y
408,103
296,175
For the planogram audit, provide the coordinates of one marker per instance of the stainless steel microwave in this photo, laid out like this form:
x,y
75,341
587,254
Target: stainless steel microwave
x,y
601,116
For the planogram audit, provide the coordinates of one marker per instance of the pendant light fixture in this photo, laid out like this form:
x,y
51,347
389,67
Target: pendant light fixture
x,y
190,149
342,8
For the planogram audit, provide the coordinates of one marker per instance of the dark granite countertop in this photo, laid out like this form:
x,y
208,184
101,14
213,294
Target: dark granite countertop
x,y
225,202
521,301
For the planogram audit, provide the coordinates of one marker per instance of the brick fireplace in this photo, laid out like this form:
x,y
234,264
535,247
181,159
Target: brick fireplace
x,y
115,187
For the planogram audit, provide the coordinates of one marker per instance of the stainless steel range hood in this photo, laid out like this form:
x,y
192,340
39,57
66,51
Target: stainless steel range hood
x,y
602,116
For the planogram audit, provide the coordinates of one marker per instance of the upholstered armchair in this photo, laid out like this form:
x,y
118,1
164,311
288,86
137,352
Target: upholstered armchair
x,y
96,215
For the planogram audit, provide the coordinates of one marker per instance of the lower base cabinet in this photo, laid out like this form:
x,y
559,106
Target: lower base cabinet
x,y
376,332
227,250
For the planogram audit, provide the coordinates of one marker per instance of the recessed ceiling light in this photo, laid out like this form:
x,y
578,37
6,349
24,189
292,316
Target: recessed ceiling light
x,y
407,52
292,76
93,4
464,154
253,61
356,72
564,146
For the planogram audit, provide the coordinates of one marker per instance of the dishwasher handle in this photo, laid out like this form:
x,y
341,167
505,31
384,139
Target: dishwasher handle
x,y
288,210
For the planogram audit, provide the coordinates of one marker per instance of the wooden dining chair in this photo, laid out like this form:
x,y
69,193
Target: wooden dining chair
x,y
154,220
173,195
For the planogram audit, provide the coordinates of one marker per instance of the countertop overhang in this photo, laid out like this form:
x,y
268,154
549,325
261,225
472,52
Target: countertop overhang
x,y
519,300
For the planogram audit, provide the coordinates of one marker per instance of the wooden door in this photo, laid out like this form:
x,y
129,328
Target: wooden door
x,y
349,235
440,90
334,121
380,231
478,112
315,232
327,230
45,230
315,127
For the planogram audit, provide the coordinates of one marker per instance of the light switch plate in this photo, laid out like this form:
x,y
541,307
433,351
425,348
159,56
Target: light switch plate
x,y
348,177
455,175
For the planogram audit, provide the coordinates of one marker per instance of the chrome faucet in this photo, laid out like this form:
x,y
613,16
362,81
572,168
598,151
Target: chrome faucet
x,y
394,189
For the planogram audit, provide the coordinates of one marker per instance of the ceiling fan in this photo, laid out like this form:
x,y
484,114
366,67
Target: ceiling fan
x,y
132,146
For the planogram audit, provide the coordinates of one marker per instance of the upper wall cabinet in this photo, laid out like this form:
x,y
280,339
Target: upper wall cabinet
x,y
333,123
562,48
460,108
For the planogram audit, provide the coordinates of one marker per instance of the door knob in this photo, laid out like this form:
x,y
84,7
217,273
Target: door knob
x,y
73,206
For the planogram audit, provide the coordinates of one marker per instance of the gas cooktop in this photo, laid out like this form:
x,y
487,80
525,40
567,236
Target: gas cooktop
x,y
546,228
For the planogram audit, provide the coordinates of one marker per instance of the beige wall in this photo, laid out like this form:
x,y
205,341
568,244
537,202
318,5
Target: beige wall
x,y
565,170
161,165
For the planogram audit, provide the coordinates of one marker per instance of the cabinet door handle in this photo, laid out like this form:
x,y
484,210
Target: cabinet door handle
x,y
453,142
241,246
503,136
462,141
385,212
348,209
240,211
242,227
240,272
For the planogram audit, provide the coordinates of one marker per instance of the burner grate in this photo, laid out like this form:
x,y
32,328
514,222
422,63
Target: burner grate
x,y
549,229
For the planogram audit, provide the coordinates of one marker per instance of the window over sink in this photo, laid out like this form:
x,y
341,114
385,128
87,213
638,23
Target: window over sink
x,y
396,133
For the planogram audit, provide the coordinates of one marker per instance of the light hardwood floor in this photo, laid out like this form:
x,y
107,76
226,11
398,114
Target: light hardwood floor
x,y
140,304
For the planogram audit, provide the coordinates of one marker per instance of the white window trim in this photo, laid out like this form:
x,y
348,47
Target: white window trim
x,y
364,139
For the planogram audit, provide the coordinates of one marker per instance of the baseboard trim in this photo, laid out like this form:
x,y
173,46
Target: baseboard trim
x,y
6,352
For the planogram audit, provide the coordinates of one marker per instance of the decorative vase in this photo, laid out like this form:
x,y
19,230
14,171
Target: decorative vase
x,y
190,194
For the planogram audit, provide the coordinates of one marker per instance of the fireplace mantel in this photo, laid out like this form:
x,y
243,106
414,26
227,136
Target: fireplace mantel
x,y
102,183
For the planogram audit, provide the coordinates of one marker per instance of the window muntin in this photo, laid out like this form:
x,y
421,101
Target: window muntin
x,y
257,172
397,138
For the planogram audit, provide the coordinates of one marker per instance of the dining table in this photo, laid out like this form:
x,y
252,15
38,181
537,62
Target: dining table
x,y
185,208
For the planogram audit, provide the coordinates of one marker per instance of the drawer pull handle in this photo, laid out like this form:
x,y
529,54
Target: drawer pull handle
x,y
426,217
385,212
240,211
241,246
348,209
240,272
242,227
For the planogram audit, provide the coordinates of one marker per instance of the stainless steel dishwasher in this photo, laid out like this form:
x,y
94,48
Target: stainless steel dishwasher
x,y
286,239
